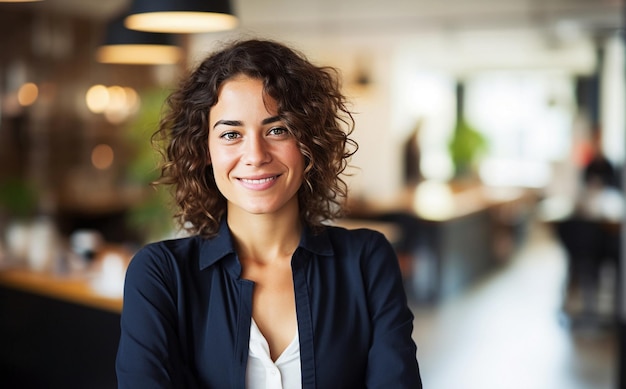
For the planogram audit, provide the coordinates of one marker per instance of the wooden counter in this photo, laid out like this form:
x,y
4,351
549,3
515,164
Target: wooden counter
x,y
57,330
76,288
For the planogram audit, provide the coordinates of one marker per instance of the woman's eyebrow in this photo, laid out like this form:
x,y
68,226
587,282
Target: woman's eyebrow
x,y
272,119
233,123
239,123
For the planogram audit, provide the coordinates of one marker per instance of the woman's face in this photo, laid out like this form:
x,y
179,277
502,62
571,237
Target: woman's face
x,y
256,161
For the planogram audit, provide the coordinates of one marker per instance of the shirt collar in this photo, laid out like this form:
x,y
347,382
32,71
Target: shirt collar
x,y
317,243
214,249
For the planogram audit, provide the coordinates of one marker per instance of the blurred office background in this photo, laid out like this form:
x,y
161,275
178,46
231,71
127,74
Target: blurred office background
x,y
491,133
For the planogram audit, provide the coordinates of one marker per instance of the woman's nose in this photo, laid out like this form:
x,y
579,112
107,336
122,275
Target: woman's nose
x,y
256,151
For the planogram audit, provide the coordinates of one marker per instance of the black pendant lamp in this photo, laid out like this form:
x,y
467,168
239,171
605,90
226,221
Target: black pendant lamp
x,y
124,46
181,16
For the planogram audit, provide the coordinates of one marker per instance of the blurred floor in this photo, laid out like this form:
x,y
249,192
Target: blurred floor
x,y
507,331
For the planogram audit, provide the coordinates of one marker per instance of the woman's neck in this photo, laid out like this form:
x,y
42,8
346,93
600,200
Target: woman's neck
x,y
265,238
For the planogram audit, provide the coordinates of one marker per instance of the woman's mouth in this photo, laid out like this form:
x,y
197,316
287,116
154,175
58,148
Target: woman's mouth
x,y
259,181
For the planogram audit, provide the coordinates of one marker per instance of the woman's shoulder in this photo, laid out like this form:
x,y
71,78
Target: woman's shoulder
x,y
355,239
353,234
167,252
174,245
361,250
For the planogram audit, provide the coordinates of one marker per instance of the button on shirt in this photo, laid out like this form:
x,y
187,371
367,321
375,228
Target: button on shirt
x,y
263,373
187,314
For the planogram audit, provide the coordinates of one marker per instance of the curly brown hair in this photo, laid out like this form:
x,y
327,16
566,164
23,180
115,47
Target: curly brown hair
x,y
310,103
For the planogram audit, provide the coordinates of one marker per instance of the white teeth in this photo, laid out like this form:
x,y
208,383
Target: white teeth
x,y
257,182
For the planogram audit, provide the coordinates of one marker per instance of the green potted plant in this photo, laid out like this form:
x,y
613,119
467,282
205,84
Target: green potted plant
x,y
18,198
466,146
18,205
151,217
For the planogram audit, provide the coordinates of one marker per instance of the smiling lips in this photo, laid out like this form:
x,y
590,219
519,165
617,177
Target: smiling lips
x,y
258,184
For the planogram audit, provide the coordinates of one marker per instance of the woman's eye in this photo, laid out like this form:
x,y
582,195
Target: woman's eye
x,y
278,131
230,135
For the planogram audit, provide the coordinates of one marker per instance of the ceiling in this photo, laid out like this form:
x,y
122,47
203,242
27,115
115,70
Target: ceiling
x,y
448,33
390,16
361,16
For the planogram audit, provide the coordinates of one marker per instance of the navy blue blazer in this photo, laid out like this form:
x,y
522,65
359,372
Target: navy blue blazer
x,y
187,314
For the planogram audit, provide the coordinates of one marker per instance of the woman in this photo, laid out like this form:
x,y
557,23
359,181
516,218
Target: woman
x,y
263,293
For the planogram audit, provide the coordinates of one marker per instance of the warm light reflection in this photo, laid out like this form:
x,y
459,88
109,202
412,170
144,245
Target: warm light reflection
x,y
27,94
117,110
139,54
123,102
132,98
181,22
97,98
102,156
117,103
117,96
433,200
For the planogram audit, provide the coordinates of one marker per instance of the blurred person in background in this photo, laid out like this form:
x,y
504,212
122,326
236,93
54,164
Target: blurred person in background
x,y
591,237
599,180
264,293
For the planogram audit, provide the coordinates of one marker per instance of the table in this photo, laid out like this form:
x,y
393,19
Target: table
x,y
451,234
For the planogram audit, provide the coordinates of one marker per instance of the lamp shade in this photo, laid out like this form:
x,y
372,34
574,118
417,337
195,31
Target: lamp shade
x,y
181,16
124,46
